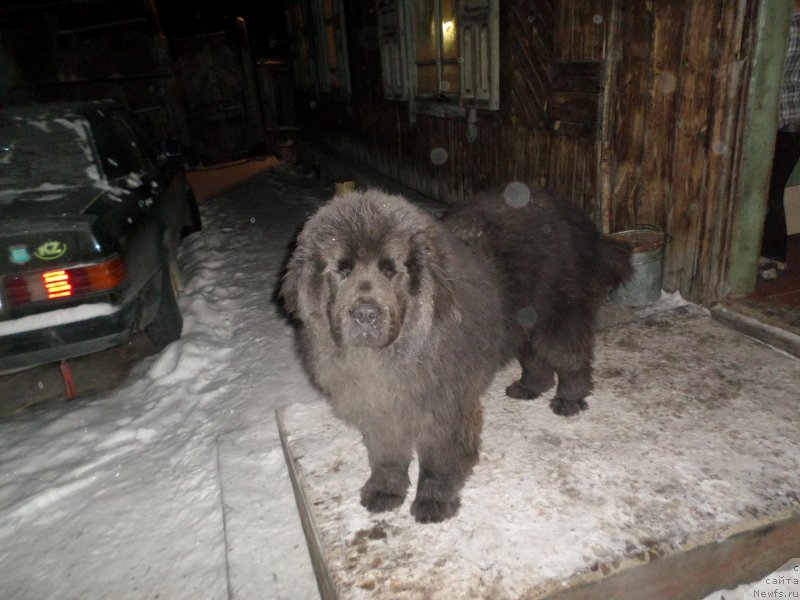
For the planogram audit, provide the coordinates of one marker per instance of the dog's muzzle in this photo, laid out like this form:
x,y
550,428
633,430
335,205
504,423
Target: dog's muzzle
x,y
367,326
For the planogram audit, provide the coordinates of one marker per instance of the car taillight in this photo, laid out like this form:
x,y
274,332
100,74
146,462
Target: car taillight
x,y
65,283
57,284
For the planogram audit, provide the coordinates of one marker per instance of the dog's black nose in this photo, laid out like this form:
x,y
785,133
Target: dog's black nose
x,y
365,313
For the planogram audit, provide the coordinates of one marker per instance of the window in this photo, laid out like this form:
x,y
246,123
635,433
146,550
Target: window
x,y
391,24
441,54
117,146
130,157
436,54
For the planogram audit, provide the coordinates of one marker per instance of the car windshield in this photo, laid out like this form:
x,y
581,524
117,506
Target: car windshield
x,y
45,154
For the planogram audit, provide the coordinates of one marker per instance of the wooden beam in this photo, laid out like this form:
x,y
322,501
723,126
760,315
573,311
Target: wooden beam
x,y
324,581
607,122
726,564
760,128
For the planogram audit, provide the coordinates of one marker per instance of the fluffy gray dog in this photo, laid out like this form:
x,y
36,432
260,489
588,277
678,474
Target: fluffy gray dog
x,y
406,318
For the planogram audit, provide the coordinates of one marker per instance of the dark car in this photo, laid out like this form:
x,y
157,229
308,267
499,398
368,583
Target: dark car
x,y
91,215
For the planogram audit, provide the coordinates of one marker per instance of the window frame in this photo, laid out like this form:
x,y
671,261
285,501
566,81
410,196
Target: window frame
x,y
393,26
478,23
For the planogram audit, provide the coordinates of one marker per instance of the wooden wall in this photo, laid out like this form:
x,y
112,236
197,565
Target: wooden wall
x,y
544,131
677,102
86,51
219,98
634,109
202,90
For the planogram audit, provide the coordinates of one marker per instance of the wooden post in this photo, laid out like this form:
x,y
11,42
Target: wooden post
x,y
759,138
605,145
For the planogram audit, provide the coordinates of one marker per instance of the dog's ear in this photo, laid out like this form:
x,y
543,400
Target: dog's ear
x,y
291,291
289,286
431,253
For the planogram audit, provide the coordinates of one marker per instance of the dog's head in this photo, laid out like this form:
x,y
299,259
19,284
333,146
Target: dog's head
x,y
366,266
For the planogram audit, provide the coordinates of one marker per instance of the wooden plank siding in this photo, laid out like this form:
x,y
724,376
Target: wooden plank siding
x,y
695,97
111,49
634,110
667,18
730,70
628,126
673,156
526,39
220,100
581,30
544,131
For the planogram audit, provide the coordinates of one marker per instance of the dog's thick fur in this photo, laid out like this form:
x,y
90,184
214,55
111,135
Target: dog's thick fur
x,y
406,318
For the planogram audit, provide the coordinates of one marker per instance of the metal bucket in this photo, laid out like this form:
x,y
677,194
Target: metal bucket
x,y
648,266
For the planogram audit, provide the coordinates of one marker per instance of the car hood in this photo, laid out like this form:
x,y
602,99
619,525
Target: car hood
x,y
48,201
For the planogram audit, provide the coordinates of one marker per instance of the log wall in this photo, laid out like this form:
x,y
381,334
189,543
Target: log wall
x,y
544,131
634,110
677,105
101,49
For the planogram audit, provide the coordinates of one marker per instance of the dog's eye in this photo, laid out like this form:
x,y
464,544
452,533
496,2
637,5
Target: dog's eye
x,y
344,266
387,267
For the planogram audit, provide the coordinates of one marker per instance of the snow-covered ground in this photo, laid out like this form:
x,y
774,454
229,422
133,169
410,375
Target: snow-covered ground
x,y
691,438
121,496
174,485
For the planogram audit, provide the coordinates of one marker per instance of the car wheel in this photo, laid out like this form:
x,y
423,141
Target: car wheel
x,y
167,325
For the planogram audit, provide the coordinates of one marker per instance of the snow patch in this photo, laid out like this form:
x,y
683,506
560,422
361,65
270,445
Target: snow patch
x,y
43,126
10,195
81,129
47,197
133,180
128,485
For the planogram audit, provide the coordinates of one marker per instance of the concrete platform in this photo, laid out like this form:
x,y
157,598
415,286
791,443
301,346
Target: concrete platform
x,y
681,479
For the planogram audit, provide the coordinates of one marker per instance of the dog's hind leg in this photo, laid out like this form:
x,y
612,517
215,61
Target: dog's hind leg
x,y
573,387
537,376
566,343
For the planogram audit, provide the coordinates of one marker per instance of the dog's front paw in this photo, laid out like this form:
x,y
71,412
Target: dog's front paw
x,y
434,511
568,408
521,392
377,501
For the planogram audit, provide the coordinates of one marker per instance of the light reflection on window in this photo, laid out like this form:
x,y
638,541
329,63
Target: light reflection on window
x,y
436,44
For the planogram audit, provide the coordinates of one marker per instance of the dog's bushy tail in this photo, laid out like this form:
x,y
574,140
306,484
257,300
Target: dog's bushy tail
x,y
616,258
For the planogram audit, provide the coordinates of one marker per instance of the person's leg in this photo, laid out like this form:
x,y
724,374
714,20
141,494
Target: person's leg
x,y
787,153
